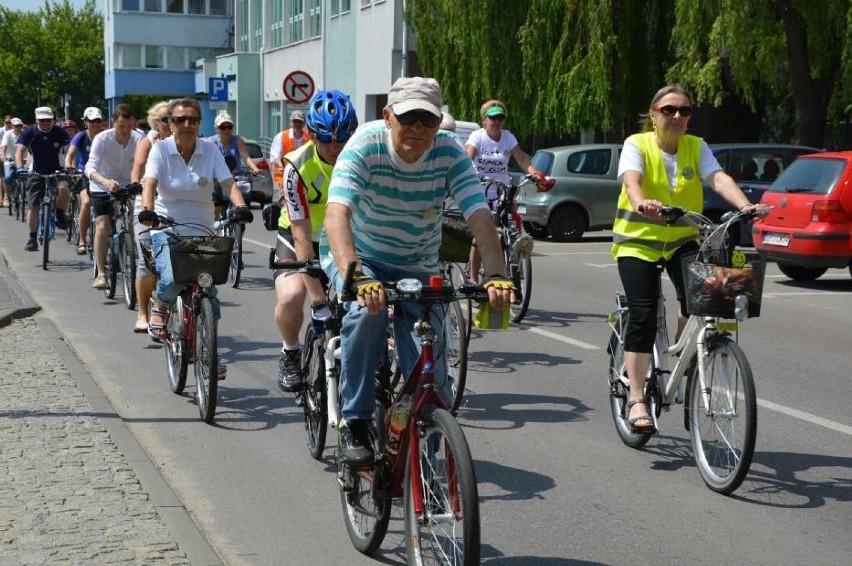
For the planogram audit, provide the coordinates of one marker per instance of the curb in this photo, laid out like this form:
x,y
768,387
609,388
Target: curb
x,y
15,301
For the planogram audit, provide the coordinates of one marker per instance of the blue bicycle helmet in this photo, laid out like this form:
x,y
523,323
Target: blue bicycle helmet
x,y
331,115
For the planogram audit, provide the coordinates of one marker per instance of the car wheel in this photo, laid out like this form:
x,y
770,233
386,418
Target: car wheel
x,y
537,231
567,224
798,273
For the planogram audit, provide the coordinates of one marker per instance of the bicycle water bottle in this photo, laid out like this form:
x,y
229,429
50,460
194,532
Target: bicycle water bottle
x,y
399,413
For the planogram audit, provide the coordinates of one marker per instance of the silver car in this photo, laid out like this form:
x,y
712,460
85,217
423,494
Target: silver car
x,y
261,187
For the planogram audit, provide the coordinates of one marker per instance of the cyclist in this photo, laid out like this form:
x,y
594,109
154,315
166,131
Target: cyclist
x,y
661,166
158,120
43,140
286,141
491,147
108,170
331,120
180,171
384,213
7,154
76,158
231,144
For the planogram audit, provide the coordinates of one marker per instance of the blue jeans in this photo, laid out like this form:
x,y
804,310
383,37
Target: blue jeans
x,y
364,338
167,290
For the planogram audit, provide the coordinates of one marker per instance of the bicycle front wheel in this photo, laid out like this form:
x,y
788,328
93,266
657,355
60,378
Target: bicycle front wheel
x,y
619,392
111,267
127,255
46,215
447,530
175,346
206,360
314,402
522,278
366,502
455,344
72,211
723,416
235,270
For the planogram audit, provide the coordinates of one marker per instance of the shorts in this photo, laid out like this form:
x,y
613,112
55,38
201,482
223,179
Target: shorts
x,y
35,190
101,204
285,250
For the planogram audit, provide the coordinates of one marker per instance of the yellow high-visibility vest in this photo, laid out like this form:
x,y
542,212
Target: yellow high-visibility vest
x,y
316,175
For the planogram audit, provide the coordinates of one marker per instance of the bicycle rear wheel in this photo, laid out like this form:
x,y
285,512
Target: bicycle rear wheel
x,y
175,346
522,278
723,417
236,268
46,216
111,267
448,530
366,502
619,392
455,348
206,360
127,255
315,408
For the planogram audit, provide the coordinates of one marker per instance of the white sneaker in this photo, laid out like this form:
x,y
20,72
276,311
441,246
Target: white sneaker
x,y
100,282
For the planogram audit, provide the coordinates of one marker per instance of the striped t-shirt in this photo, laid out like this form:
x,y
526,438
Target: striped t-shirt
x,y
396,206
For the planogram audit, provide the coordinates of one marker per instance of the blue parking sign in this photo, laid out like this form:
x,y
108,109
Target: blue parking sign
x,y
217,89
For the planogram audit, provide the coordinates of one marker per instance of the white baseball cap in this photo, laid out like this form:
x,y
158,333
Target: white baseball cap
x,y
92,113
44,113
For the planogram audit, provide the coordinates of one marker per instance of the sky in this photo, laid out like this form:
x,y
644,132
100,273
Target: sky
x,y
35,5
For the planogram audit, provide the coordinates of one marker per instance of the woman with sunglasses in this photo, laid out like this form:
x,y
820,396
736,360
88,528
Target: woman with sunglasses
x,y
231,144
661,166
331,120
491,147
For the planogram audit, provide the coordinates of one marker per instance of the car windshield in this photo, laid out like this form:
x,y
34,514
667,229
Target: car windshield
x,y
815,176
543,162
254,151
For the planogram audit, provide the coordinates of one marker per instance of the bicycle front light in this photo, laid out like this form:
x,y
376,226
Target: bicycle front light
x,y
409,285
741,307
205,280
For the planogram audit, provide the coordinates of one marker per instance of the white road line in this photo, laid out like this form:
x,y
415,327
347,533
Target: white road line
x,y
565,339
266,245
807,417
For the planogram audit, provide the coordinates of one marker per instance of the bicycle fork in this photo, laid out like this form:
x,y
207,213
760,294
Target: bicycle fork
x,y
332,361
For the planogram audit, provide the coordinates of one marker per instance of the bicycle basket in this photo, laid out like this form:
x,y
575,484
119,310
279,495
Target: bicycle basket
x,y
456,238
192,256
712,287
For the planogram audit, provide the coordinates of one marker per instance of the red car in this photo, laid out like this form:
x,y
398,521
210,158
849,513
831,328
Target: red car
x,y
809,228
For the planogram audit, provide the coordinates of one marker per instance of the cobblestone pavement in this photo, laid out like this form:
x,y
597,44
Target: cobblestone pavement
x,y
67,494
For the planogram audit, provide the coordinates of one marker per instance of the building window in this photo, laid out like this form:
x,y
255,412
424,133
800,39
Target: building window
x,y
277,27
174,6
175,58
334,8
130,5
365,3
257,24
315,18
296,21
153,57
345,6
243,31
218,7
153,6
131,56
197,6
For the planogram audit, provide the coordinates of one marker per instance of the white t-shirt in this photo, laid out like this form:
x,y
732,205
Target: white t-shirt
x,y
185,190
632,160
7,140
492,157
111,159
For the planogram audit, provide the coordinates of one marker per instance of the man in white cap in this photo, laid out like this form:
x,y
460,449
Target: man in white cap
x,y
44,140
384,214
286,141
76,158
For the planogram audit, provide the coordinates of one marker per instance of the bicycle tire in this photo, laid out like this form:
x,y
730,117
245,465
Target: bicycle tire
x,y
206,363
522,278
71,212
177,358
90,239
723,433
447,485
619,392
127,255
45,244
366,502
111,268
235,269
313,389
455,350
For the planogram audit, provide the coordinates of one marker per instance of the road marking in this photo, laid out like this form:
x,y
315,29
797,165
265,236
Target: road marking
x,y
565,339
803,293
601,265
807,417
256,243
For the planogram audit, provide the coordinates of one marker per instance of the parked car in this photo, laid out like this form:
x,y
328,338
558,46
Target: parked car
x,y
809,228
584,197
261,187
754,166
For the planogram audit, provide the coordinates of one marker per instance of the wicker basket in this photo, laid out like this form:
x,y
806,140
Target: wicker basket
x,y
192,256
456,238
711,288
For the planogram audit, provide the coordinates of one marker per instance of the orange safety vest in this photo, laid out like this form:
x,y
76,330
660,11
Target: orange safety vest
x,y
288,144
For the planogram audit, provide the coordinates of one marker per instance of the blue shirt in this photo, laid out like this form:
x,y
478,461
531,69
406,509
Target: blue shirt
x,y
45,147
83,143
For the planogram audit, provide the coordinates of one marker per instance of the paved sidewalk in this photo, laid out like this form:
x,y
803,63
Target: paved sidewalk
x,y
75,487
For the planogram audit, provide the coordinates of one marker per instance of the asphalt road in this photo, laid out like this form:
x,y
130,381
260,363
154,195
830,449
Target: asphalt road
x,y
556,485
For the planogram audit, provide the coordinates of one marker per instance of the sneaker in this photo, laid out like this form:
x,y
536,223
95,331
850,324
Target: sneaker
x,y
290,370
61,220
353,441
522,245
32,245
100,282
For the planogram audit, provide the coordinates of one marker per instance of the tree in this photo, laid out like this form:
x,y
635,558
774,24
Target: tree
x,y
46,54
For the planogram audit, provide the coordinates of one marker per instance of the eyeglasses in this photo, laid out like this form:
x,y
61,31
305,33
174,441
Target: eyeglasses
x,y
226,126
426,118
498,117
670,110
163,119
339,137
190,120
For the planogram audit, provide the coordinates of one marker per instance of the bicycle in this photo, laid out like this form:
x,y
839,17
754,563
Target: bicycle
x,y
720,407
121,250
79,182
233,230
46,211
517,246
17,197
198,262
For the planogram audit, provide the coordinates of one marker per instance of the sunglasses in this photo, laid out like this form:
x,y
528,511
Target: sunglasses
x,y
163,119
96,121
226,127
191,120
498,117
670,110
426,118
339,137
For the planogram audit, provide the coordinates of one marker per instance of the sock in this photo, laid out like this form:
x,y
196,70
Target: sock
x,y
285,346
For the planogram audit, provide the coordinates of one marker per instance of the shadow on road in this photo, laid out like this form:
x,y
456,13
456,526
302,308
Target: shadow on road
x,y
504,411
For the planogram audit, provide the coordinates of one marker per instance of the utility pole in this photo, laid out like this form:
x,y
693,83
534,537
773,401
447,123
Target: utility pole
x,y
67,104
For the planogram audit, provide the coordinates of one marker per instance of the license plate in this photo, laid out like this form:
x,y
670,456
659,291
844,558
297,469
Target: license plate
x,y
522,209
773,239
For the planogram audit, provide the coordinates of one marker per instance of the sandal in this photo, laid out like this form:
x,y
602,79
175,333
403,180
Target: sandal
x,y
221,371
636,428
81,249
157,330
